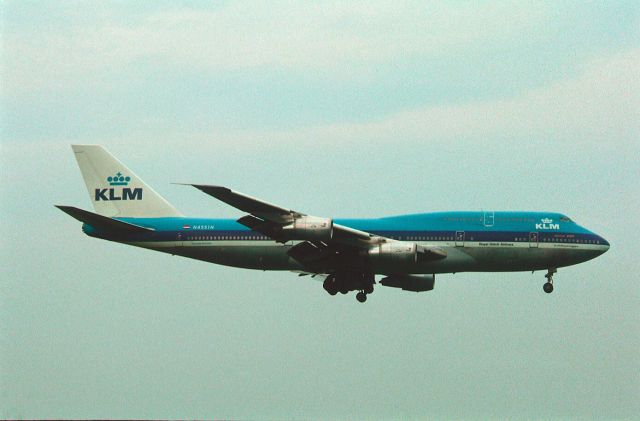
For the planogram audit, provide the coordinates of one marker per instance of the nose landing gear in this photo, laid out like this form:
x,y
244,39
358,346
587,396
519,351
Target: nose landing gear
x,y
548,286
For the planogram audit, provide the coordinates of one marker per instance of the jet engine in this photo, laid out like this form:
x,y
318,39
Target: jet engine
x,y
396,252
416,283
310,228
403,252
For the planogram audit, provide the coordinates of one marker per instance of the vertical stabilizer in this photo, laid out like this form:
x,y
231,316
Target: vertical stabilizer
x,y
114,189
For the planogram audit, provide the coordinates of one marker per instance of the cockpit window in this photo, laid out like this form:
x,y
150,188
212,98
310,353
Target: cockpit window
x,y
565,219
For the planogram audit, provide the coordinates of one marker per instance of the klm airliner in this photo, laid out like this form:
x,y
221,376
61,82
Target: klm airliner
x,y
405,252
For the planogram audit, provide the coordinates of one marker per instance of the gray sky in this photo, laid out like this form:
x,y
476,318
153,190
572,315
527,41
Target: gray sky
x,y
362,109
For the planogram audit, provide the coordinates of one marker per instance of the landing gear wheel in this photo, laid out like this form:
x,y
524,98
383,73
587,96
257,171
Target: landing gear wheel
x,y
368,289
361,296
548,287
329,285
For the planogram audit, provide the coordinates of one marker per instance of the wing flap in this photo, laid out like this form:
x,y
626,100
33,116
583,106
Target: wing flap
x,y
308,253
427,254
351,236
268,228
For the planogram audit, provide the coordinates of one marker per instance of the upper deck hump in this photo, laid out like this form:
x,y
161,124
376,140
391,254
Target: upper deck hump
x,y
469,221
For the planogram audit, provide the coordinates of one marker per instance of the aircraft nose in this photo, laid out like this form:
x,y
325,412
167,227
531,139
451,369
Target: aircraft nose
x,y
604,244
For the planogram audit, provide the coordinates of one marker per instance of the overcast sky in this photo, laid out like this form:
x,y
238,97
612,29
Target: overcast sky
x,y
340,109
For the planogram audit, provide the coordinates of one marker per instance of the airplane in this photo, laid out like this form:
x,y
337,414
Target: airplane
x,y
407,251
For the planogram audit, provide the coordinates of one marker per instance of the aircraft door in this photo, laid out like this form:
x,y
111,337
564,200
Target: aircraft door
x,y
533,239
488,219
459,238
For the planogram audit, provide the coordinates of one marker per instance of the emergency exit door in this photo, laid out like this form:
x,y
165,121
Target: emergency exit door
x,y
533,239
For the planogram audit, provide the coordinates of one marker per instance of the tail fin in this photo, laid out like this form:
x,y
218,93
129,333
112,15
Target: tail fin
x,y
114,189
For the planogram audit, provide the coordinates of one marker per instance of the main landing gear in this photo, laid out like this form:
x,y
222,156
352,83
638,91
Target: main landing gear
x,y
548,286
345,282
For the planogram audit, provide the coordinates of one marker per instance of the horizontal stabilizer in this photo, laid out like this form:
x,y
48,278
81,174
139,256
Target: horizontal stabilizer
x,y
102,222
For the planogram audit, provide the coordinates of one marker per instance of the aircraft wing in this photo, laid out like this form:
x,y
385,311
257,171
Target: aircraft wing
x,y
281,224
269,218
259,208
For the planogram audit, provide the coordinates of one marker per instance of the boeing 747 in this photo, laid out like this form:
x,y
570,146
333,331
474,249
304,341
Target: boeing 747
x,y
405,251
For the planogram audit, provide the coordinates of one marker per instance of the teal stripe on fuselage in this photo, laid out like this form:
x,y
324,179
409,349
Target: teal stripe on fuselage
x,y
437,221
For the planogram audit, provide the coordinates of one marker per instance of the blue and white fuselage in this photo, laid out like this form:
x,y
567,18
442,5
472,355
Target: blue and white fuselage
x,y
473,241
407,250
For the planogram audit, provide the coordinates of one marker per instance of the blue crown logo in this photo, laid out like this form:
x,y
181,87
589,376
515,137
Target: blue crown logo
x,y
118,180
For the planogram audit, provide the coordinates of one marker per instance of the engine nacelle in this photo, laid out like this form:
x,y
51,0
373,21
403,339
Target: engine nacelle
x,y
310,228
395,252
416,283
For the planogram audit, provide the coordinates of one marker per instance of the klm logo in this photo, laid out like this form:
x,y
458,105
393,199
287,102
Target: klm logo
x,y
124,193
547,224
119,180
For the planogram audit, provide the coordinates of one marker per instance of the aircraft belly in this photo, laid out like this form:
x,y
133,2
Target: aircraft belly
x,y
507,259
492,259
